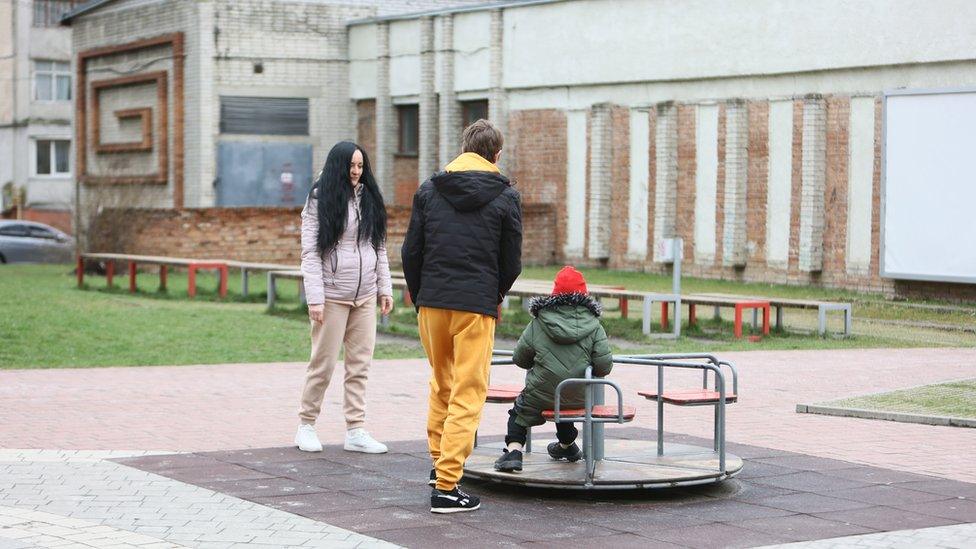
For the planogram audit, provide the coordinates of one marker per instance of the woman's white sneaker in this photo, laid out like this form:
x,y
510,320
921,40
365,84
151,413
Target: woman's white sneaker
x,y
306,439
358,440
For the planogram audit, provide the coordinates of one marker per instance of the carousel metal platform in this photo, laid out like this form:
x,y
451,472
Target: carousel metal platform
x,y
619,464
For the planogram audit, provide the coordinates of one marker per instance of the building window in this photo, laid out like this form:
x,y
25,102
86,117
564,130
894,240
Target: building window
x,y
48,13
53,157
52,81
472,111
263,115
408,117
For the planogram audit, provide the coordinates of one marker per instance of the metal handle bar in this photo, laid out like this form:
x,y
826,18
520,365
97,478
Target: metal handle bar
x,y
710,357
587,411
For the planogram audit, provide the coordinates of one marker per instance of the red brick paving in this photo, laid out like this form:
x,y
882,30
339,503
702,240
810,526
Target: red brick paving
x,y
231,406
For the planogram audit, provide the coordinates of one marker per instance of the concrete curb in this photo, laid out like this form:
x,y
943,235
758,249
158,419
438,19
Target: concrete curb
x,y
887,416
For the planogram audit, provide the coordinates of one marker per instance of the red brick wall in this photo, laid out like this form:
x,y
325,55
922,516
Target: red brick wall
x,y
536,150
687,165
59,219
265,234
366,125
620,186
835,190
405,181
756,183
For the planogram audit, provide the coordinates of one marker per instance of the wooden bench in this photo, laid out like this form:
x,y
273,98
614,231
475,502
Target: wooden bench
x,y
192,266
739,303
822,308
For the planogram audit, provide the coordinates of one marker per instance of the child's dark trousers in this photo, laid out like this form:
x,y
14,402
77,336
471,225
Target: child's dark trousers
x,y
566,433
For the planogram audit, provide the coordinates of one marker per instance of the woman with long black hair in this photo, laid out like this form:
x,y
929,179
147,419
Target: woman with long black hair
x,y
346,271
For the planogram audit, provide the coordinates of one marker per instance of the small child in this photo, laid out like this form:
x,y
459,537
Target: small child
x,y
564,337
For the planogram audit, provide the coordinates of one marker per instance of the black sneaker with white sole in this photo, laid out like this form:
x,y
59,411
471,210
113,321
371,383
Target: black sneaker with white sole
x,y
454,501
571,454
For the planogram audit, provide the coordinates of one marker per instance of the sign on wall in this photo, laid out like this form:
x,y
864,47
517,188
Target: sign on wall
x,y
929,185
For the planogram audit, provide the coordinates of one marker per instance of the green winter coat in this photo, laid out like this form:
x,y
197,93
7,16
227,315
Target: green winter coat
x,y
561,341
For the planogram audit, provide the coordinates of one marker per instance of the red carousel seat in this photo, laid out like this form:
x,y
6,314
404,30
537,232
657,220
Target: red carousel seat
x,y
600,411
689,397
502,394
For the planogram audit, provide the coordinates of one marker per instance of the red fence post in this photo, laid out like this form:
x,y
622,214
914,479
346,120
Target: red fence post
x,y
162,277
81,271
109,272
132,277
738,320
191,283
223,281
664,315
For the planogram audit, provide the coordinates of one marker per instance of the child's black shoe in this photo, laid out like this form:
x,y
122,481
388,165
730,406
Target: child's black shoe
x,y
571,454
509,462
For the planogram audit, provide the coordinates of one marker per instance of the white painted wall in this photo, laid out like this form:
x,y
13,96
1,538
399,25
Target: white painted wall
x,y
362,61
706,181
655,40
472,40
859,187
639,175
575,183
779,186
405,57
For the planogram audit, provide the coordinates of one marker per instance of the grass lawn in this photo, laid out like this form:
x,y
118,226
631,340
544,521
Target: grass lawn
x,y
46,322
954,399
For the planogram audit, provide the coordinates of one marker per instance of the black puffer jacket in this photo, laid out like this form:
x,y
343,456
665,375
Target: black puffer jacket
x,y
463,249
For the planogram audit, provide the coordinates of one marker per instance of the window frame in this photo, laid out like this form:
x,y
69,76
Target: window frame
x,y
57,70
22,226
404,111
52,151
467,107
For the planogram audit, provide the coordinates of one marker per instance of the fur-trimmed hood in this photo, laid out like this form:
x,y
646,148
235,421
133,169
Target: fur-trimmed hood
x,y
566,318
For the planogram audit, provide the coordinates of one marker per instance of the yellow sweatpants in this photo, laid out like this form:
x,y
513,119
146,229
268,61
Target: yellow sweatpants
x,y
458,345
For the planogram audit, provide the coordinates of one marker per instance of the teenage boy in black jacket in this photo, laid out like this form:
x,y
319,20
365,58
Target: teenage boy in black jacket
x,y
461,255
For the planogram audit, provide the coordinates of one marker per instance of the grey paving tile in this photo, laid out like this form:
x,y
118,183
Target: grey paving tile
x,y
717,535
316,504
300,469
810,481
884,494
885,518
942,486
803,527
617,541
810,503
213,473
646,522
727,511
876,475
533,529
373,521
960,510
264,487
806,463
759,469
751,492
460,536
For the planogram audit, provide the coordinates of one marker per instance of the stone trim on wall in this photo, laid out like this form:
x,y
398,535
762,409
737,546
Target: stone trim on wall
x,y
175,42
145,114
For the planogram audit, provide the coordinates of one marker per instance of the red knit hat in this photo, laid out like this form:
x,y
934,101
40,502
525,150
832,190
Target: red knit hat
x,y
568,281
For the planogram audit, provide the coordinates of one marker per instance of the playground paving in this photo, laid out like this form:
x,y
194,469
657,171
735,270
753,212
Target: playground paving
x,y
806,477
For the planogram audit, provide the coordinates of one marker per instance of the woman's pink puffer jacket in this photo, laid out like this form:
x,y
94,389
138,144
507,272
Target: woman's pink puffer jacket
x,y
351,271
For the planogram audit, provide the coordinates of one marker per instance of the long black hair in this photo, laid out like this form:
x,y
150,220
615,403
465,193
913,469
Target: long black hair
x,y
334,191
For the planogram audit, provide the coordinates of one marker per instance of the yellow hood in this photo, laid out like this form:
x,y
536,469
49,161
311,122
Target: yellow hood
x,y
471,162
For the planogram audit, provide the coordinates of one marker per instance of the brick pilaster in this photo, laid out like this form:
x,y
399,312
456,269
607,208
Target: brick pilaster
x,y
666,168
449,123
813,177
427,153
385,115
736,169
600,199
497,100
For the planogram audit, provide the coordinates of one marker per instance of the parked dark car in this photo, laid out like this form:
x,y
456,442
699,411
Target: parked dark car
x,y
30,242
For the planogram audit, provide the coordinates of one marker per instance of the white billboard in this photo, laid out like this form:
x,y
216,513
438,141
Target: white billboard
x,y
928,209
